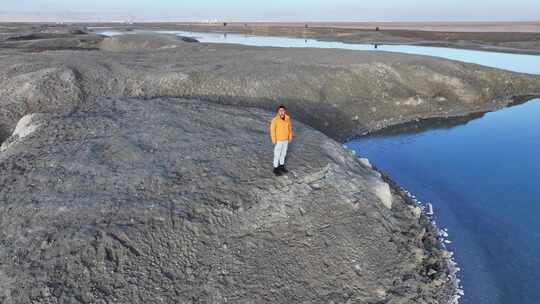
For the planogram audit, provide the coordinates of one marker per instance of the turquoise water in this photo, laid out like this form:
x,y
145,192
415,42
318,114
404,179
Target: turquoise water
x,y
512,62
483,179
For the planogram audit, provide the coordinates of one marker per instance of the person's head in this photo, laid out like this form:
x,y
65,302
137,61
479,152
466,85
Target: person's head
x,y
281,110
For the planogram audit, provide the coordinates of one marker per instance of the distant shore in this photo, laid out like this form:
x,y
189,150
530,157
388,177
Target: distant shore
x,y
515,37
518,27
441,26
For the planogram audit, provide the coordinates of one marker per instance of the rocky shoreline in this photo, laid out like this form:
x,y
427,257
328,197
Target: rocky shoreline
x,y
453,291
121,183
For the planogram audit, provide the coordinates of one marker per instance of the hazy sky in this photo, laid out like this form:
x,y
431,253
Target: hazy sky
x,y
286,10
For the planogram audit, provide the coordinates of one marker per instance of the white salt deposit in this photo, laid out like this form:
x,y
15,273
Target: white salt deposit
x,y
430,209
443,234
382,191
24,128
365,162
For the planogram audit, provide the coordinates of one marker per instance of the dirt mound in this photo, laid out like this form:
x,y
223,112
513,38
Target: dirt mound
x,y
343,93
137,42
136,200
53,89
41,40
48,33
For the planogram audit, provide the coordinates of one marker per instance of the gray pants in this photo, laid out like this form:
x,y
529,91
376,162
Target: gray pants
x,y
280,151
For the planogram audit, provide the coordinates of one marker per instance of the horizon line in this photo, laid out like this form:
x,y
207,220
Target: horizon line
x,y
232,21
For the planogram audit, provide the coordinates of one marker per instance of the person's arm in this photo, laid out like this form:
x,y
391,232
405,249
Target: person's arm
x,y
290,130
273,131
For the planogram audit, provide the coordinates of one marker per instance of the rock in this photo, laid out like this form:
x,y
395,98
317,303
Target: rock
x,y
416,211
429,209
418,255
365,162
189,39
382,191
315,186
170,275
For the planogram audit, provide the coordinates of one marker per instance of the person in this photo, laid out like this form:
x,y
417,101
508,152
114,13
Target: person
x,y
281,135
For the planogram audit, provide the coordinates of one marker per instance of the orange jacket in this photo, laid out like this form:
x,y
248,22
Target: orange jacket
x,y
281,129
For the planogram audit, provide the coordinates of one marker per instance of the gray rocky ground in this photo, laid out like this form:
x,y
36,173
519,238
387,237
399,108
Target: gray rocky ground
x,y
167,200
340,92
136,169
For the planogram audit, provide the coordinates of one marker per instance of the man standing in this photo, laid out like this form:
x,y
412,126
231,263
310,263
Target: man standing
x,y
281,134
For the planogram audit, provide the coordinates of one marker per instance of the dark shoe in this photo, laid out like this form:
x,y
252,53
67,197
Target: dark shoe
x,y
277,172
283,169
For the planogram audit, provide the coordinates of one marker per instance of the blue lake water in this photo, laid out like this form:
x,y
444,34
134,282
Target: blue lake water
x,y
482,177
